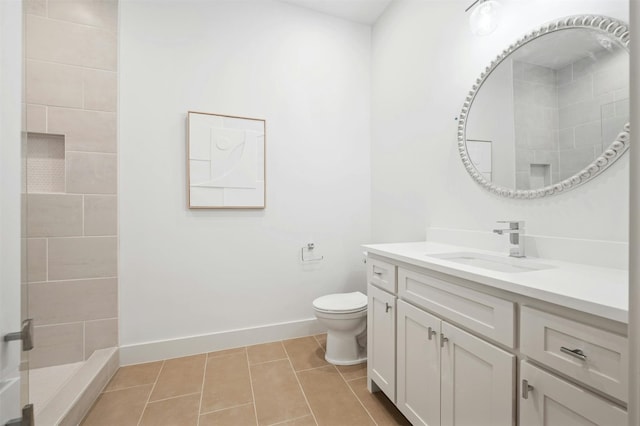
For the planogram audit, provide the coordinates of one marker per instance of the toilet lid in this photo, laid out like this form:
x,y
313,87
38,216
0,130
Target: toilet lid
x,y
341,302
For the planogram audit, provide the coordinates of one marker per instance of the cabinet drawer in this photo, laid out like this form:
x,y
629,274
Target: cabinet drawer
x,y
482,313
551,401
382,274
605,355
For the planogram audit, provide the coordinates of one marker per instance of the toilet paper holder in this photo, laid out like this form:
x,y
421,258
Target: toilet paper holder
x,y
309,249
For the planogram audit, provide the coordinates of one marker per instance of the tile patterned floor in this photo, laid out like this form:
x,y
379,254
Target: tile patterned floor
x,y
284,383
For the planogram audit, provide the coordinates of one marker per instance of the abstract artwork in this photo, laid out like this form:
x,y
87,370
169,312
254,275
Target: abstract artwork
x,y
225,161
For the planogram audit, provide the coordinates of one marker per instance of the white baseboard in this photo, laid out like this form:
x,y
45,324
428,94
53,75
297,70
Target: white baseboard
x,y
193,345
608,254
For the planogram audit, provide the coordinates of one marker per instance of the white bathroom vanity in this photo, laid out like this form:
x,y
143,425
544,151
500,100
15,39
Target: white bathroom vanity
x,y
469,337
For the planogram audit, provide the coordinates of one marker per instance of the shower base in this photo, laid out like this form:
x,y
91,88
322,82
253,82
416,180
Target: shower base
x,y
63,394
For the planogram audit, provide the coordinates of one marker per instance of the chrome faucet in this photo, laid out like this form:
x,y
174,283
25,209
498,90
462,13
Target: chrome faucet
x,y
516,236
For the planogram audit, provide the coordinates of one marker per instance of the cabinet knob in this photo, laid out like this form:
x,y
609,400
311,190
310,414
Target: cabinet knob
x,y
431,332
387,307
443,340
526,388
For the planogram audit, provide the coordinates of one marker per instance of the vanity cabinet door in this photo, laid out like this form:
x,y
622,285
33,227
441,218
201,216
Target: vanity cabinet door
x,y
381,339
477,381
418,392
547,400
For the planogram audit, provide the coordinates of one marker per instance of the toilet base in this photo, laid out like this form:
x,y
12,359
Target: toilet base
x,y
337,362
344,349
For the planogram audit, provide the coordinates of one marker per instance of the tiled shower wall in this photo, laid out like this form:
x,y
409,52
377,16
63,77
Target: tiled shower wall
x,y
71,92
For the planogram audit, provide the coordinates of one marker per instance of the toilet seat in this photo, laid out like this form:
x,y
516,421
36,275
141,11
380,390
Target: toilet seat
x,y
341,303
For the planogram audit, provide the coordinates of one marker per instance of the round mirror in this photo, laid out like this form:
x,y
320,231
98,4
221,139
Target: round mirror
x,y
552,111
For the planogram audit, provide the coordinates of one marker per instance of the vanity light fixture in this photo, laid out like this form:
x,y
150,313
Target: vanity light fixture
x,y
484,17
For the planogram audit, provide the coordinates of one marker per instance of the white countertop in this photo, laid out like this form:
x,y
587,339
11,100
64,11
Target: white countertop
x,y
594,290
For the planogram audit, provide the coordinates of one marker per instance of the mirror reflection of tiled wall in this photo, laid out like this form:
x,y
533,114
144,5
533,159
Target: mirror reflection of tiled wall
x,y
565,118
71,93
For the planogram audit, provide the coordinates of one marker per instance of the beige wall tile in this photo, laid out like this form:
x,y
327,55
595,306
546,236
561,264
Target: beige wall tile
x,y
331,400
179,376
123,407
69,43
53,84
305,353
243,415
100,90
36,259
226,383
89,173
102,13
93,131
88,257
100,334
100,215
57,344
135,375
35,7
278,396
54,215
72,301
36,118
181,411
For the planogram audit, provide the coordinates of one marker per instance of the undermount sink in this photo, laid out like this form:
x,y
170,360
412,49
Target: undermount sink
x,y
494,263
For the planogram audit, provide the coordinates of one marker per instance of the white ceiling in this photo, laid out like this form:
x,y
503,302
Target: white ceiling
x,y
362,11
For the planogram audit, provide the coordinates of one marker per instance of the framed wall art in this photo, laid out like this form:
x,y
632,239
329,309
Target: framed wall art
x,y
225,161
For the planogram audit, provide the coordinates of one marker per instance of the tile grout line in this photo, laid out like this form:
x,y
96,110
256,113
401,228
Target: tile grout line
x,y
346,382
289,420
125,388
267,362
150,393
295,373
204,375
253,394
172,397
226,408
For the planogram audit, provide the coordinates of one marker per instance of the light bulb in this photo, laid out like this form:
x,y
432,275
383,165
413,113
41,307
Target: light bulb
x,y
484,18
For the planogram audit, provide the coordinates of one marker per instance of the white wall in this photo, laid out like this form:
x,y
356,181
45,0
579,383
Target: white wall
x,y
425,61
10,174
187,272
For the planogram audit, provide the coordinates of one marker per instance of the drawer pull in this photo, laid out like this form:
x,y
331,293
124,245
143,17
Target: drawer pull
x,y
526,388
387,307
431,333
443,340
378,273
576,353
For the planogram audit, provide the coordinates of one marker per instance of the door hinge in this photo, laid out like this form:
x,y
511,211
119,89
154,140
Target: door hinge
x,y
27,419
25,334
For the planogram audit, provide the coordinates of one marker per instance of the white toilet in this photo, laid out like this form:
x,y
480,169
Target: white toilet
x,y
345,316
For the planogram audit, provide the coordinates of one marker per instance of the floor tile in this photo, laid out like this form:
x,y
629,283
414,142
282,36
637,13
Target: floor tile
x,y
351,372
226,352
331,400
135,375
180,411
122,408
266,352
378,405
243,415
322,340
305,353
179,376
277,393
302,421
227,383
